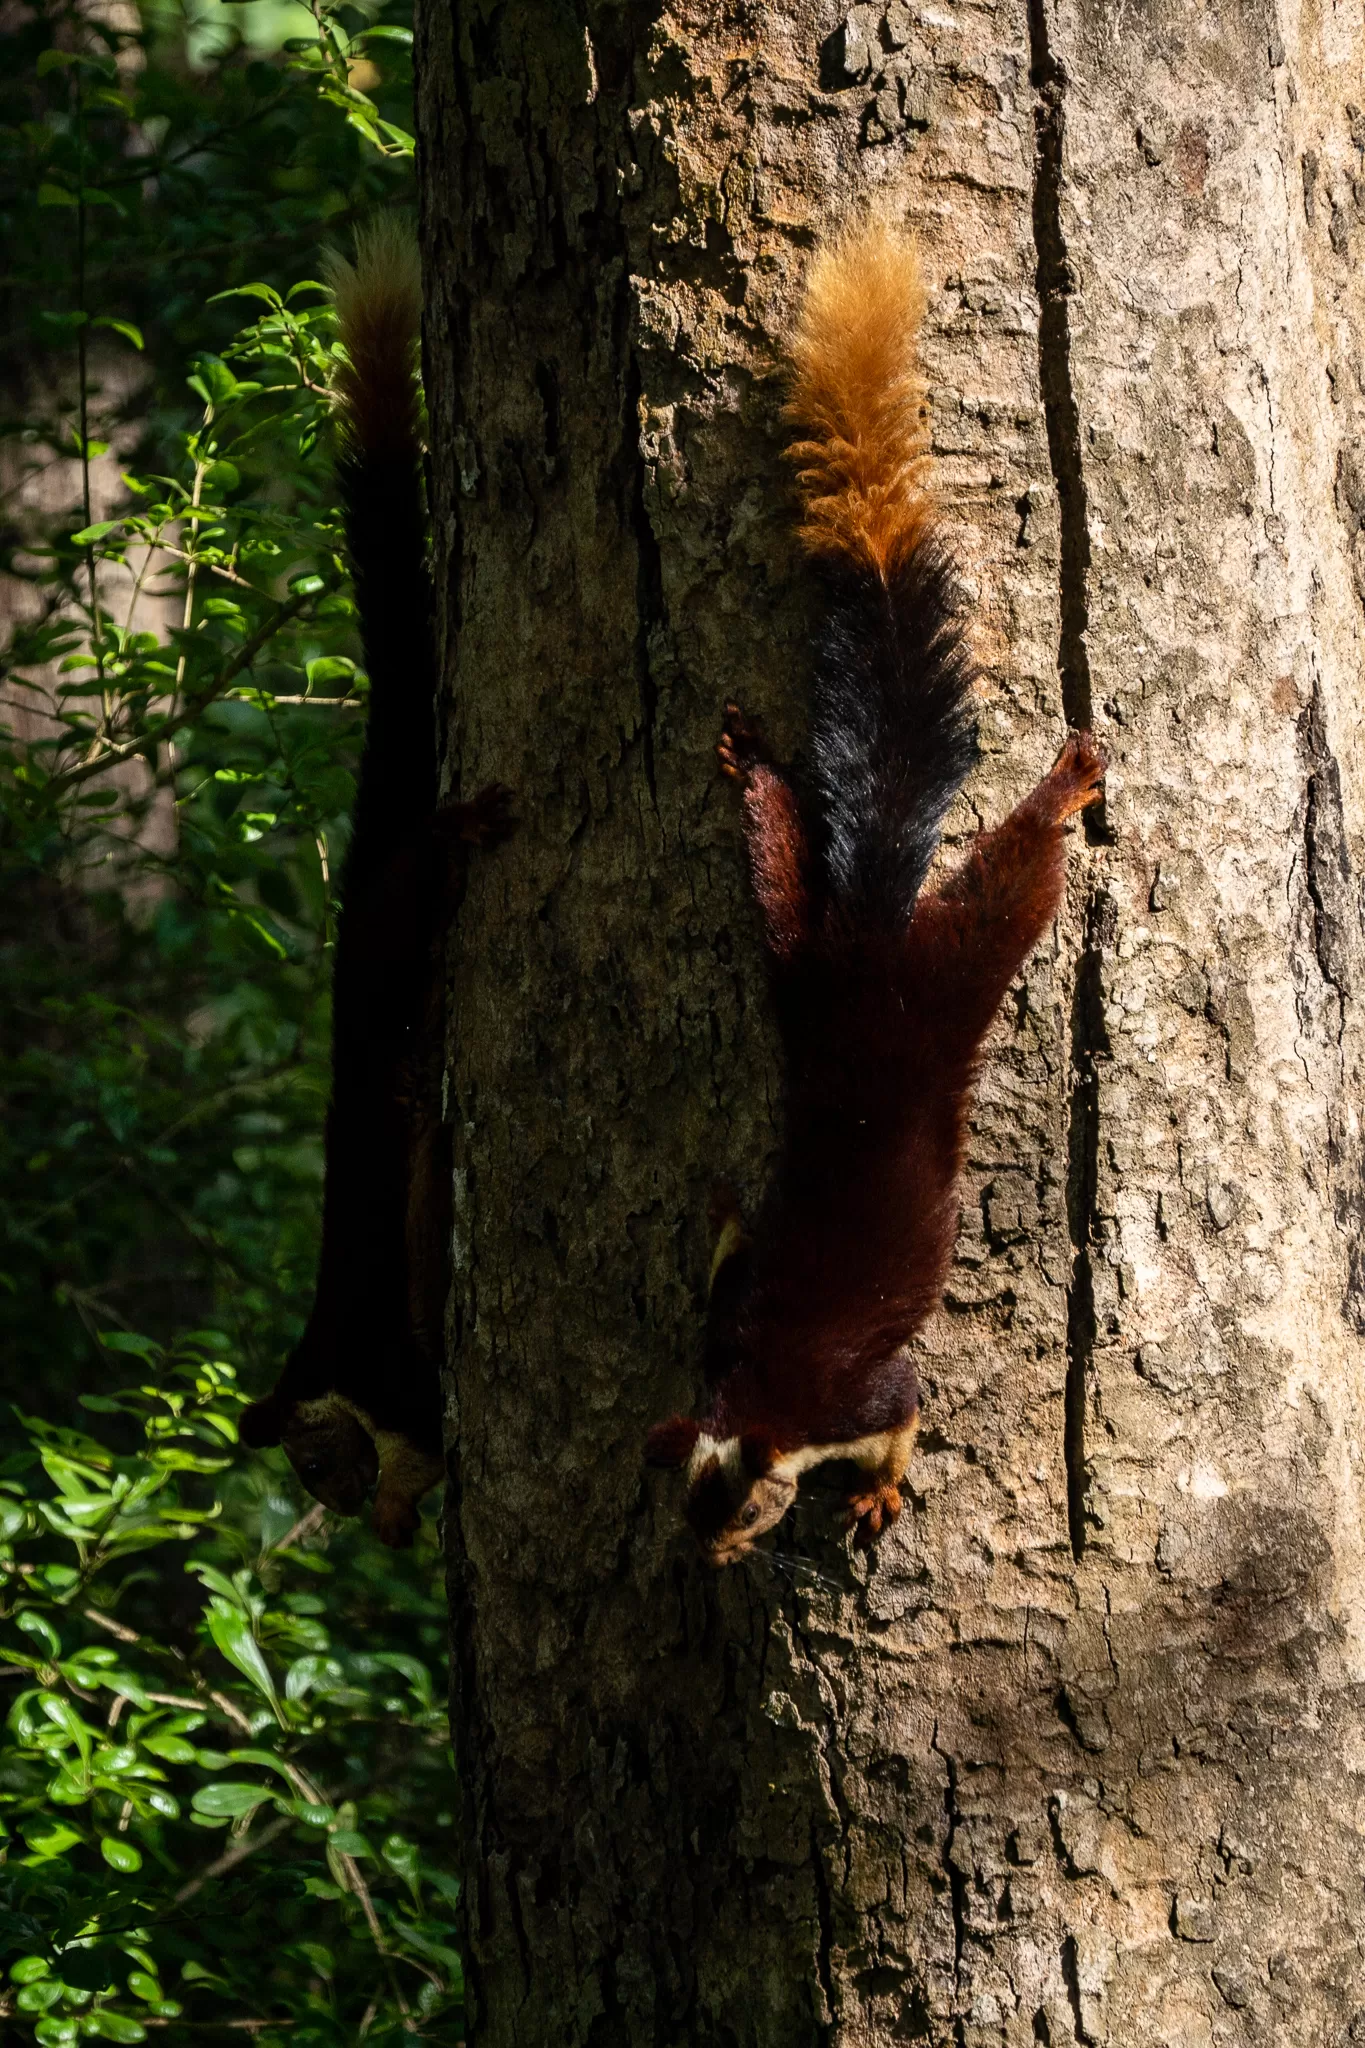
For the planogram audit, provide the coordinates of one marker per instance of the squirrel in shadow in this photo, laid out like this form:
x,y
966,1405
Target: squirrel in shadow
x,y
883,990
359,1399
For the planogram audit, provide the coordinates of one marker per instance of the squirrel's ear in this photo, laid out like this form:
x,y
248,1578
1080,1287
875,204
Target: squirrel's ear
x,y
672,1443
263,1423
757,1452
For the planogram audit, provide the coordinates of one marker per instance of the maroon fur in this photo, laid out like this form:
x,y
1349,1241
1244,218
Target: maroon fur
x,y
882,1032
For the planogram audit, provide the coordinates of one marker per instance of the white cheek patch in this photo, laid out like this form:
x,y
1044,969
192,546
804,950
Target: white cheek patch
x,y
725,1450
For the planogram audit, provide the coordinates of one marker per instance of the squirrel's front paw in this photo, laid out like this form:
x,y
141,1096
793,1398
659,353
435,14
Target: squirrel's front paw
x,y
741,745
486,820
1077,774
394,1519
871,1512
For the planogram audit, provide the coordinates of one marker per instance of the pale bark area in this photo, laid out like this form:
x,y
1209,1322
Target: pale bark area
x,y
1079,1754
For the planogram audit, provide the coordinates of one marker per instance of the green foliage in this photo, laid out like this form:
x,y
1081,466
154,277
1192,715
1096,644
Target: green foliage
x,y
223,1789
224,1761
180,693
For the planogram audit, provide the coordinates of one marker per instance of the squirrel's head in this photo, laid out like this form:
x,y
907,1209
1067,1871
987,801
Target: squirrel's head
x,y
332,1452
735,1490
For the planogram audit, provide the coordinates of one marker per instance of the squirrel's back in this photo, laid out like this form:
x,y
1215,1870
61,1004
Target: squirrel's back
x,y
891,738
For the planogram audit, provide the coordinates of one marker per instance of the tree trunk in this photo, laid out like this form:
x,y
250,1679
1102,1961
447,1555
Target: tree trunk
x,y
1078,1754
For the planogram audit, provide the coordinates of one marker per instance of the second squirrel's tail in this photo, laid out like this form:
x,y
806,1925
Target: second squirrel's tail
x,y
378,302
891,740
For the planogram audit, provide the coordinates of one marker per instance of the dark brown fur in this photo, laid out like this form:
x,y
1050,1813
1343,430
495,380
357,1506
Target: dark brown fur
x,y
359,1398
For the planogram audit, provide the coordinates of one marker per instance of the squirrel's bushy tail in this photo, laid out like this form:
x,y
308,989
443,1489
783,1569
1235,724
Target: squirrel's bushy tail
x,y
891,739
378,301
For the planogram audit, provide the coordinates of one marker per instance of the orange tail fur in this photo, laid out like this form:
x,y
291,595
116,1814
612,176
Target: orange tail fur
x,y
859,402
379,320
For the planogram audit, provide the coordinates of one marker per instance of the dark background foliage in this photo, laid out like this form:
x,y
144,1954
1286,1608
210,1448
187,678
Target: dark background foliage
x,y
223,1778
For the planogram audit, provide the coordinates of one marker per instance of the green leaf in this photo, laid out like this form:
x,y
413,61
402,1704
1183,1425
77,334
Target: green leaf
x,y
227,1800
29,1969
231,1631
48,1838
129,1341
55,2033
348,1842
215,380
329,668
38,1997
311,1815
40,1628
123,327
173,1748
404,1857
119,1853
56,195
83,539
64,1716
144,1986
113,2026
313,1674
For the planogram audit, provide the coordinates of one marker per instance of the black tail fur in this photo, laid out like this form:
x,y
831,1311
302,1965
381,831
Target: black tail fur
x,y
891,739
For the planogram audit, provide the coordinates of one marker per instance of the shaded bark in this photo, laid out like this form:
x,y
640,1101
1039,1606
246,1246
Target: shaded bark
x,y
1077,1754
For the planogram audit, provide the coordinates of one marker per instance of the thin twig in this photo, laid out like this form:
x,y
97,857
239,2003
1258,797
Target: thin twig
x,y
214,568
201,470
232,1856
234,1713
333,703
301,1530
115,1628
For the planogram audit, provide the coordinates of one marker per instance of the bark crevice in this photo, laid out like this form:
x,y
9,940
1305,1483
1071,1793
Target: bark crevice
x,y
649,573
1327,861
957,1883
1060,411
1071,1977
1089,1041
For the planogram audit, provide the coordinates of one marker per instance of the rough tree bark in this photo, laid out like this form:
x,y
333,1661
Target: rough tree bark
x,y
1079,1754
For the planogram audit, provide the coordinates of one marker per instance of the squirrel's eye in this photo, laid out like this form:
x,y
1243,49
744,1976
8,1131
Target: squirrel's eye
x,y
750,1515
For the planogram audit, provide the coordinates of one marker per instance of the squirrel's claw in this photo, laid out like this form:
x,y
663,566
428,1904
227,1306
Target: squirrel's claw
x,y
741,745
869,1513
1077,774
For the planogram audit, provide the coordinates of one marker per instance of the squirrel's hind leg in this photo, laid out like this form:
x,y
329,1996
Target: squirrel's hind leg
x,y
969,938
774,833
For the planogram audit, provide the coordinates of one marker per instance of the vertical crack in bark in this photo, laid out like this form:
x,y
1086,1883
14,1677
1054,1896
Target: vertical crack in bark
x,y
1337,950
1060,410
1062,415
824,1905
649,574
1327,861
957,1883
1071,1977
1088,1041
